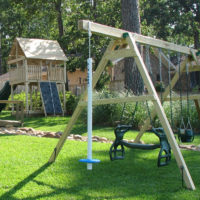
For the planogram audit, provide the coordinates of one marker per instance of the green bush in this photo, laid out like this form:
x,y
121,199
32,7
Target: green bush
x,y
111,114
36,99
71,102
106,114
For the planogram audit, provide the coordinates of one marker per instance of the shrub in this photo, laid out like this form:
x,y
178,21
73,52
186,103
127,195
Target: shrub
x,y
36,99
106,114
71,102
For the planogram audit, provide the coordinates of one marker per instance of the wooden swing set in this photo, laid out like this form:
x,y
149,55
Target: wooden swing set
x,y
127,47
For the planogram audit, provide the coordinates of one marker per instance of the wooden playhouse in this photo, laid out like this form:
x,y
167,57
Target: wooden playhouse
x,y
40,64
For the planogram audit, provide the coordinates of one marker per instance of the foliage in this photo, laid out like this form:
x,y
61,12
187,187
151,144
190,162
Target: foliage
x,y
71,102
107,114
176,21
36,99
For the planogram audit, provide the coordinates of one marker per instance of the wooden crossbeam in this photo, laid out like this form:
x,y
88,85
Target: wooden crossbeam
x,y
117,33
122,53
135,99
177,98
11,101
119,100
193,68
161,114
16,60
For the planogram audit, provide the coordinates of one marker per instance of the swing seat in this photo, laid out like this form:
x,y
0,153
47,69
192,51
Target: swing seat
x,y
89,160
164,155
120,130
140,146
187,136
116,153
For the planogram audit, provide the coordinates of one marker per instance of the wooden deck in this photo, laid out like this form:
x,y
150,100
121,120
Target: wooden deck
x,y
36,73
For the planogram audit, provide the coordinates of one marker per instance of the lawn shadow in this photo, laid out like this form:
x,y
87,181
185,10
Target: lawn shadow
x,y
132,177
21,184
1,135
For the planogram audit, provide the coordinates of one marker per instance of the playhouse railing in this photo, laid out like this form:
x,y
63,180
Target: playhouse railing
x,y
17,74
36,73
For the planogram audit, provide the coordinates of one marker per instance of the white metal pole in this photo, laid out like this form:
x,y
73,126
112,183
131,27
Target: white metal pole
x,y
89,114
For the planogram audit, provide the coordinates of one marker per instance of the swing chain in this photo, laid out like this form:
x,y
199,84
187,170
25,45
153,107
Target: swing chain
x,y
170,90
160,70
89,39
148,63
188,105
149,114
180,87
189,126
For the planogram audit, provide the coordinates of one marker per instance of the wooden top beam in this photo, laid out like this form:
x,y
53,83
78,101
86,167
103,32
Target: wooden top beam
x,y
16,60
11,101
117,33
119,100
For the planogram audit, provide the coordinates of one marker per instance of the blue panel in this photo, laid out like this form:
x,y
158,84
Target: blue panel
x,y
50,98
56,99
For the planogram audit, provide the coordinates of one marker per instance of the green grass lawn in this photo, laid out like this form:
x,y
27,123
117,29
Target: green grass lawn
x,y
25,174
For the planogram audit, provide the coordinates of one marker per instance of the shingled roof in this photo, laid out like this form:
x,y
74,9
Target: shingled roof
x,y
37,49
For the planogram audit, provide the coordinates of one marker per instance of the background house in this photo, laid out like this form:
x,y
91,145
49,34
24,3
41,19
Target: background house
x,y
77,81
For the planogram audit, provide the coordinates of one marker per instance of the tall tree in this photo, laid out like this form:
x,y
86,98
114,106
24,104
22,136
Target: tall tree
x,y
131,22
58,5
175,20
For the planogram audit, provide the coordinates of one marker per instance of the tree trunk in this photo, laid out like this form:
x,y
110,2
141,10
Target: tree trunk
x,y
58,9
195,76
1,71
59,17
131,22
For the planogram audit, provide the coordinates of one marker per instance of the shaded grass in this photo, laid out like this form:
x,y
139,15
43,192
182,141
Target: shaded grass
x,y
25,174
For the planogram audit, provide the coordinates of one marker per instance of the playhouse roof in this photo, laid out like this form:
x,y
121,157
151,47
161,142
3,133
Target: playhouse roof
x,y
37,49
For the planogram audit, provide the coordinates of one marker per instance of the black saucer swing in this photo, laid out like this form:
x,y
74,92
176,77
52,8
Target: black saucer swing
x,y
117,150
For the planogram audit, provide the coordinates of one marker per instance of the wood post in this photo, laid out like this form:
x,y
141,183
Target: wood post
x,y
12,98
161,114
26,92
197,107
64,99
31,97
17,112
22,112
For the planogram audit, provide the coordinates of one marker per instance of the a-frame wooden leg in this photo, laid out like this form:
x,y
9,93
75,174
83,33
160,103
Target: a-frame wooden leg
x,y
161,114
79,108
197,107
165,94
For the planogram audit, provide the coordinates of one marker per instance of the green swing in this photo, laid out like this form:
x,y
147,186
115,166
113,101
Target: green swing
x,y
117,150
185,133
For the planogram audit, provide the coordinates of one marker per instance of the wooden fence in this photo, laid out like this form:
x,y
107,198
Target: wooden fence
x,y
36,73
